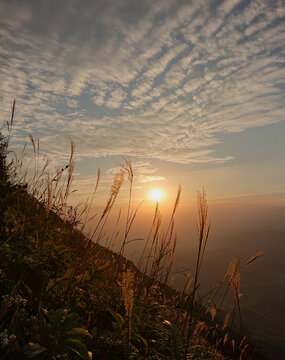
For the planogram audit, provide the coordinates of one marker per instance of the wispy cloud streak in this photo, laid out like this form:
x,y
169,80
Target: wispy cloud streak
x,y
146,79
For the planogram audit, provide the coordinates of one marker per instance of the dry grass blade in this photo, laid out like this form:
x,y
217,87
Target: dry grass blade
x,y
225,338
233,277
177,200
70,170
213,312
10,124
148,238
13,112
252,259
203,214
168,247
242,341
72,145
232,269
128,167
33,142
226,321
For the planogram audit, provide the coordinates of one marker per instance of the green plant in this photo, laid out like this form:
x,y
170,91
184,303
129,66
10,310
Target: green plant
x,y
57,334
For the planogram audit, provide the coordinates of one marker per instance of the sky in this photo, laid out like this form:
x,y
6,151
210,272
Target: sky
x,y
192,92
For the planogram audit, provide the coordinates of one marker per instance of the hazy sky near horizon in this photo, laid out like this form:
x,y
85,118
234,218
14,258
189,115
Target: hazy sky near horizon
x,y
192,92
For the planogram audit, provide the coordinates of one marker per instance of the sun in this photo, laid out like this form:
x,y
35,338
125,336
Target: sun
x,y
156,194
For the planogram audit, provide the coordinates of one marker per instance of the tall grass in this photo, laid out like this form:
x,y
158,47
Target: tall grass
x,y
203,235
142,316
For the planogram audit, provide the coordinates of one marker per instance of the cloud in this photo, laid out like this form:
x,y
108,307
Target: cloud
x,y
159,80
115,98
144,172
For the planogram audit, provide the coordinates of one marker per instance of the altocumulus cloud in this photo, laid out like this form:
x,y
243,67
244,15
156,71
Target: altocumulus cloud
x,y
147,79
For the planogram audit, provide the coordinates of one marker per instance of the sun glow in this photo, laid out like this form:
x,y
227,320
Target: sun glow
x,y
156,194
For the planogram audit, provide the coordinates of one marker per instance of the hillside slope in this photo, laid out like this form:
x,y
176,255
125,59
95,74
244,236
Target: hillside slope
x,y
66,297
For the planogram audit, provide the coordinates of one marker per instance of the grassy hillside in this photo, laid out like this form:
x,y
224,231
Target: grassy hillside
x,y
63,296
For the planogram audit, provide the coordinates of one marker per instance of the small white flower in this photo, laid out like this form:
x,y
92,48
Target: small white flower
x,y
5,341
12,337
